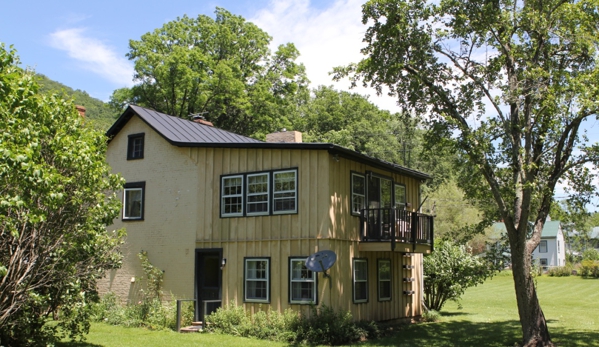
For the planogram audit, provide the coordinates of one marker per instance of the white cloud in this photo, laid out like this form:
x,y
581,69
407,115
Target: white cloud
x,y
325,38
93,55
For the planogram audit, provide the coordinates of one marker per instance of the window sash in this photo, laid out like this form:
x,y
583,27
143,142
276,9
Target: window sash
x,y
135,146
284,191
302,283
133,203
358,190
257,202
543,246
232,196
384,278
257,280
400,196
360,280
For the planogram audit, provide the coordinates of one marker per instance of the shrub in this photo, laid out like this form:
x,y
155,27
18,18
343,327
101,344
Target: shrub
x,y
324,326
560,271
431,316
589,268
590,254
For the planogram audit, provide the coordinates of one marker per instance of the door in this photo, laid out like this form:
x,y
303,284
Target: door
x,y
208,281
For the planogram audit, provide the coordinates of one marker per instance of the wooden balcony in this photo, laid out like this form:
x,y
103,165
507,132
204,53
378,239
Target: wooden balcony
x,y
389,229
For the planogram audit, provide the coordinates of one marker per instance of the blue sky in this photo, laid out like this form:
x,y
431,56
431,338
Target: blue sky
x,y
82,44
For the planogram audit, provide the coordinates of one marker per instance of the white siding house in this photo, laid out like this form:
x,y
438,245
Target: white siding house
x,y
551,250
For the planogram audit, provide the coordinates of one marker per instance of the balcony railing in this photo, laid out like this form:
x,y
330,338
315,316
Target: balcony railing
x,y
390,224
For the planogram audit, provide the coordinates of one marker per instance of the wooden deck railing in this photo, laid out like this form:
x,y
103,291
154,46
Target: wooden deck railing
x,y
390,224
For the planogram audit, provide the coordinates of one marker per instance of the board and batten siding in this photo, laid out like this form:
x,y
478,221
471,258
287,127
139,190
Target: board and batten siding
x,y
182,214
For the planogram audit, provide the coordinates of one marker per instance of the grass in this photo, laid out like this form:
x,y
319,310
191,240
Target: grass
x,y
488,317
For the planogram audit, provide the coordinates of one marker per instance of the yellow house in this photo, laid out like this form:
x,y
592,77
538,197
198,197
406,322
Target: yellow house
x,y
230,218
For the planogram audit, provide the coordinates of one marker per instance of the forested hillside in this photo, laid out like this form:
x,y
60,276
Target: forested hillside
x,y
99,114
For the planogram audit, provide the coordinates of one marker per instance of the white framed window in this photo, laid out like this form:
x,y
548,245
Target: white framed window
x,y
360,278
358,193
400,196
543,246
384,279
133,201
232,196
284,191
257,194
302,282
257,279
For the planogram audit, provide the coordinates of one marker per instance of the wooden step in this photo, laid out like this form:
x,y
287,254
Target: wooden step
x,y
191,329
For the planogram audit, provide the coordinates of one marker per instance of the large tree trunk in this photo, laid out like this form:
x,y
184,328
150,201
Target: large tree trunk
x,y
534,327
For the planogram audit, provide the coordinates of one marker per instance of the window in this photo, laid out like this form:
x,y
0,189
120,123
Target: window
x,y
135,146
264,193
384,278
232,196
400,196
257,279
543,246
543,263
358,193
133,201
302,286
360,280
257,194
284,192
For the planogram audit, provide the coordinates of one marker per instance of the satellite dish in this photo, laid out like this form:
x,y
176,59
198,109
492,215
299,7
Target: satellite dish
x,y
321,261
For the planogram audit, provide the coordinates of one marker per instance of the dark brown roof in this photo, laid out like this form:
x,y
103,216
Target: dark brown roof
x,y
184,133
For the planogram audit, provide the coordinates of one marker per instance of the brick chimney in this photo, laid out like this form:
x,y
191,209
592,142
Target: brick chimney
x,y
81,110
202,120
285,136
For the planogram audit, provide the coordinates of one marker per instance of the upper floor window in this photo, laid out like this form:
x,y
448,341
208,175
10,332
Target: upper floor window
x,y
358,193
135,146
373,191
257,279
285,191
302,286
543,246
259,193
133,201
232,196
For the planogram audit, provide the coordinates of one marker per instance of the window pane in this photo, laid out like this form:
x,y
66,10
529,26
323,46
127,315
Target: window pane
x,y
360,291
358,193
385,290
400,196
284,195
256,290
302,291
360,271
133,198
232,195
384,270
386,193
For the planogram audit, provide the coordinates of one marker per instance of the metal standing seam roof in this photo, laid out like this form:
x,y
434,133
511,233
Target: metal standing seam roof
x,y
185,133
550,229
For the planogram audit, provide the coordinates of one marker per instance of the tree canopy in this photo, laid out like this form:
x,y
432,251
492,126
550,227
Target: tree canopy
x,y
512,82
55,203
221,68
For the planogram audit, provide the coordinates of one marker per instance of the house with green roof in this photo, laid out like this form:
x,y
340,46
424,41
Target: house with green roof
x,y
551,251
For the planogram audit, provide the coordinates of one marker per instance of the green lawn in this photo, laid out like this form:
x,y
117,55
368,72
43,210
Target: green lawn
x,y
488,318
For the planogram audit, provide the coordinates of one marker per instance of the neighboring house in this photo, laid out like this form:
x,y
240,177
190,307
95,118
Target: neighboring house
x,y
551,250
594,238
229,218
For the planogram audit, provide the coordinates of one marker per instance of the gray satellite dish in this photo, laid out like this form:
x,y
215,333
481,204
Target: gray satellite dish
x,y
321,261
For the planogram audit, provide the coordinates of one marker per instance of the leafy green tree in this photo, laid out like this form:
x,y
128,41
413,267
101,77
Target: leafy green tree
x,y
449,271
221,68
55,204
512,83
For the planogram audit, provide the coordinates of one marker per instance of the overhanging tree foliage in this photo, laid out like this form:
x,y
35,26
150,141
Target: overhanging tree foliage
x,y
54,209
512,82
221,68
